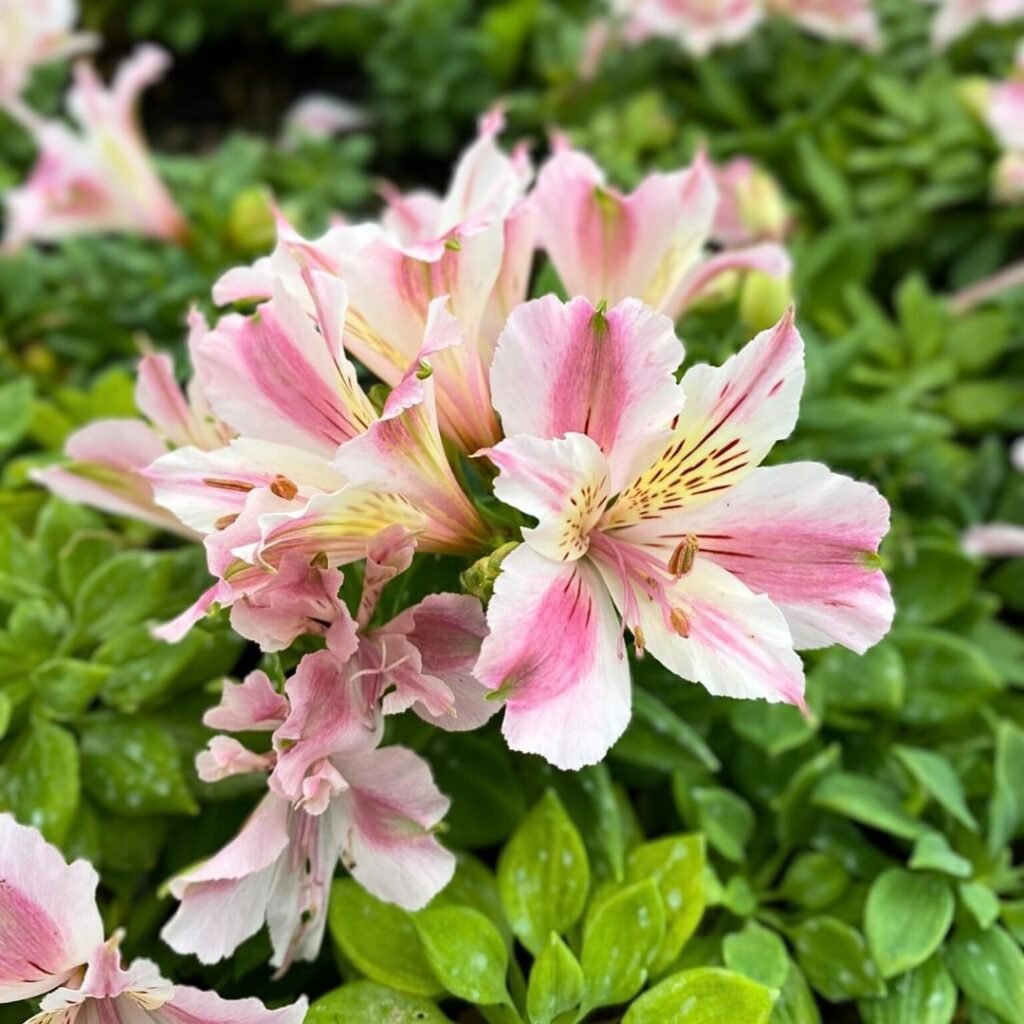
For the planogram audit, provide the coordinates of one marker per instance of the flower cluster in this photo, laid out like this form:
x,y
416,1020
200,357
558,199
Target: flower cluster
x,y
701,25
99,177
547,443
956,18
51,945
1004,114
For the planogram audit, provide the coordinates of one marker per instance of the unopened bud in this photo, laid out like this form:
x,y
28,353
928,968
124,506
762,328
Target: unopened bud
x,y
479,578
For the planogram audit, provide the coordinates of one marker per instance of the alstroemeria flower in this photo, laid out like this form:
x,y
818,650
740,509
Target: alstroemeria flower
x,y
751,207
334,795
475,245
101,178
34,34
957,17
649,244
109,457
318,116
697,25
650,506
51,941
854,21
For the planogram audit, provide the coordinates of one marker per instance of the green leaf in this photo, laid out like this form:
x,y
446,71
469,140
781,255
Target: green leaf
x,y
906,917
932,852
658,738
380,940
1006,805
989,968
466,953
80,557
39,779
835,959
868,801
366,1002
556,983
132,766
757,953
937,777
981,902
925,995
620,940
724,817
814,880
121,592
543,874
66,687
677,864
705,995
775,728
474,885
796,818
15,411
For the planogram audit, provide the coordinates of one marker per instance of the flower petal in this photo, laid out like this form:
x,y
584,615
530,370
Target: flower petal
x,y
733,415
555,650
191,1006
995,540
767,257
390,812
49,923
253,705
563,367
607,246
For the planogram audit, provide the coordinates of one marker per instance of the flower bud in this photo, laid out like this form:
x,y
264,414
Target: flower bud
x,y
479,578
764,299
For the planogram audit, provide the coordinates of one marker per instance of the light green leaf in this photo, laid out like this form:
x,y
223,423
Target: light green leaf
x,y
66,687
620,940
925,995
989,968
981,902
466,953
366,1002
814,880
932,852
758,954
725,818
132,766
705,995
474,885
81,555
39,779
835,959
906,917
556,983
937,777
677,864
543,874
1006,806
868,801
122,591
15,411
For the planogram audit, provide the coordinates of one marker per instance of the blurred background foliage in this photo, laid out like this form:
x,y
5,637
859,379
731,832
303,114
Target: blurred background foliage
x,y
869,853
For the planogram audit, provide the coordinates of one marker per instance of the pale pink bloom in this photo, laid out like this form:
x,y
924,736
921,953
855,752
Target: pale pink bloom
x,y
751,207
650,507
101,178
319,116
115,995
649,244
957,17
333,796
1008,178
109,458
474,245
36,32
51,940
697,25
852,20
49,924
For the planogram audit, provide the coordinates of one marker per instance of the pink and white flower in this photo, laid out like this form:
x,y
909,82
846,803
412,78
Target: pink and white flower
x,y
650,507
334,795
956,18
650,244
318,116
475,245
101,178
51,941
699,26
999,540
751,207
853,21
35,34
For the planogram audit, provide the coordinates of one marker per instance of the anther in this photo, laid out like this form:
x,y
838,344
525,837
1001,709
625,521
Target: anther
x,y
680,622
225,521
283,487
682,558
228,485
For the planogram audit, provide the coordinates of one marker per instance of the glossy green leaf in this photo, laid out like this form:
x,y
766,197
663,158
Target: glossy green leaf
x,y
556,983
989,968
867,801
938,777
906,918
366,1002
466,953
836,960
705,995
925,995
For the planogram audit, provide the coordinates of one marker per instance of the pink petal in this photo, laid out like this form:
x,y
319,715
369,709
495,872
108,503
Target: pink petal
x,y
696,25
390,813
192,1006
225,756
607,246
249,706
804,536
276,378
329,716
995,540
732,417
554,649
49,923
388,555
607,374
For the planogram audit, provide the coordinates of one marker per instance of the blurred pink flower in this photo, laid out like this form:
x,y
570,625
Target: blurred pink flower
x,y
102,177
751,207
319,116
955,18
